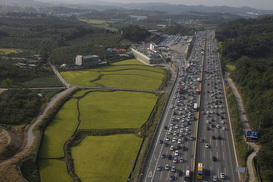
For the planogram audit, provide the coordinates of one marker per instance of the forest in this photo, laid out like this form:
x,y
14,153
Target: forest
x,y
247,44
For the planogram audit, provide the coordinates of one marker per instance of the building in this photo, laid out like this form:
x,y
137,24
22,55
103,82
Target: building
x,y
87,60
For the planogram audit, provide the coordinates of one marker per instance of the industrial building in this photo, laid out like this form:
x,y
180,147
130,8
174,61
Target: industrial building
x,y
89,60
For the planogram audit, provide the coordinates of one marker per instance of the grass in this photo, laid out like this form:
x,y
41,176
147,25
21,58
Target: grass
x,y
125,74
53,170
105,158
59,130
115,109
7,51
230,67
100,24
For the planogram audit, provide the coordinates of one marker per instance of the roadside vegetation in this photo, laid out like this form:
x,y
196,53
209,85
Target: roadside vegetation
x,y
240,144
247,45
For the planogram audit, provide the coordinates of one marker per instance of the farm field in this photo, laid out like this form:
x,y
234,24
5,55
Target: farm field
x,y
119,109
7,51
53,170
59,130
93,161
101,24
125,74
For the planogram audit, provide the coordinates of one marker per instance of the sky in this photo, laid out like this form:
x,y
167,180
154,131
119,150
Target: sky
x,y
257,4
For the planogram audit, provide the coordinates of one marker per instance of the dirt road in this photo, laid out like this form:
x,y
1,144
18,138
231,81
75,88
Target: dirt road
x,y
30,136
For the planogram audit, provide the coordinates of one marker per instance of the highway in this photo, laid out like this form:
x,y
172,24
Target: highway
x,y
178,126
183,132
213,117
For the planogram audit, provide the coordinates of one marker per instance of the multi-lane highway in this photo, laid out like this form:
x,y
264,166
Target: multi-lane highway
x,y
174,145
186,135
214,126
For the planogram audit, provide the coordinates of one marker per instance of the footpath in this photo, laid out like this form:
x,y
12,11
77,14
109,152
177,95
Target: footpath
x,y
246,127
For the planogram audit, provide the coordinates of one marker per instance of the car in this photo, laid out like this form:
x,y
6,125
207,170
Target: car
x,y
176,153
219,137
163,156
159,168
167,138
191,137
214,178
207,172
186,139
160,141
175,160
214,158
181,160
166,127
171,177
166,144
175,133
213,137
179,141
212,125
207,145
201,140
167,167
207,127
223,128
172,148
184,148
218,126
180,173
170,157
174,139
207,121
223,122
222,175
173,169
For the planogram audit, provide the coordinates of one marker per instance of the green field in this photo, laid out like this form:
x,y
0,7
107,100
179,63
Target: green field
x,y
119,109
59,130
125,74
7,51
105,158
230,67
100,24
53,170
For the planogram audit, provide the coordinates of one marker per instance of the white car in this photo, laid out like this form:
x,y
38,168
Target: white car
x,y
167,139
174,139
207,145
222,175
218,126
179,141
223,128
176,153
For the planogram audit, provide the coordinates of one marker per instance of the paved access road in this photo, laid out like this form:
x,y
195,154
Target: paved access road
x,y
214,125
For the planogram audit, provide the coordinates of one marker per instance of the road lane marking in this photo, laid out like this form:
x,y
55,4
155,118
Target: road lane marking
x,y
150,175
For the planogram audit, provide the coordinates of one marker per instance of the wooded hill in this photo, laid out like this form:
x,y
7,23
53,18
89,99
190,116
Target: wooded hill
x,y
247,44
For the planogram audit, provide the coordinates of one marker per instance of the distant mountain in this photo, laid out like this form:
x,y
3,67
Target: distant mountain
x,y
165,7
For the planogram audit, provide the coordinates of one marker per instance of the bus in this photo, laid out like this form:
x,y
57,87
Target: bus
x,y
200,171
187,174
195,107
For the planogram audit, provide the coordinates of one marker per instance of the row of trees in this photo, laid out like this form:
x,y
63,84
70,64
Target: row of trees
x,y
247,43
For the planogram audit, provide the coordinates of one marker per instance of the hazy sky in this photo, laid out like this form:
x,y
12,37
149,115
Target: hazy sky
x,y
257,4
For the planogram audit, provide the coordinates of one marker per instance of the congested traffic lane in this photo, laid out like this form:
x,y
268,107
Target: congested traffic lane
x,y
178,126
219,156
